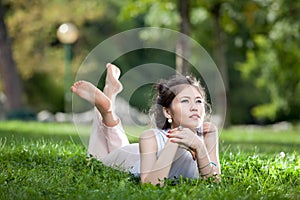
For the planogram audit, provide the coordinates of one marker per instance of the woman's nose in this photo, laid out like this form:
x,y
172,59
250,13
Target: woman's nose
x,y
193,107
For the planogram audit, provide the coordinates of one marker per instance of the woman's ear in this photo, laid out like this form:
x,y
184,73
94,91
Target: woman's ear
x,y
167,113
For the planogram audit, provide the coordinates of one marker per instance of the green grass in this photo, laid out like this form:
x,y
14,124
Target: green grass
x,y
262,140
48,161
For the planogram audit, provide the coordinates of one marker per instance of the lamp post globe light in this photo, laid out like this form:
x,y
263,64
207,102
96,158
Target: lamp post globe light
x,y
67,34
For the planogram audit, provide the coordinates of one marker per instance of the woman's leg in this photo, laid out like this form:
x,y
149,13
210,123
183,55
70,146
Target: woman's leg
x,y
107,132
97,143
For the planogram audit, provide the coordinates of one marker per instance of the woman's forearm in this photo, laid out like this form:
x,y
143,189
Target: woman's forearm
x,y
207,167
162,166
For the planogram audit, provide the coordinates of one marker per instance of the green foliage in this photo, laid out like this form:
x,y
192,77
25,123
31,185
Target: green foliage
x,y
37,52
261,40
47,168
274,64
41,83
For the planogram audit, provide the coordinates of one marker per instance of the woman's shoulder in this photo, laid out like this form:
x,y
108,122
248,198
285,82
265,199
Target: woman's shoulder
x,y
148,141
148,133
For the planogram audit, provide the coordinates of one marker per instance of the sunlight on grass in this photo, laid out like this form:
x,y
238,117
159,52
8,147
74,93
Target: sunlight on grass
x,y
260,134
260,139
236,137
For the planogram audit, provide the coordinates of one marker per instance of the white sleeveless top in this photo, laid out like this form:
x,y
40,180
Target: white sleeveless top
x,y
183,163
127,158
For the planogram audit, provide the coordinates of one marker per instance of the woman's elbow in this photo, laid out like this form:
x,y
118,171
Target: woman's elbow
x,y
146,179
143,178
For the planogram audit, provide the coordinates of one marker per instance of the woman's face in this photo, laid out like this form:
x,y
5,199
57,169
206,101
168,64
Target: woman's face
x,y
187,108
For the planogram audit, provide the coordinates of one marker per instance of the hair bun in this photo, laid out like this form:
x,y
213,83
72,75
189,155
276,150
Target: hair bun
x,y
161,88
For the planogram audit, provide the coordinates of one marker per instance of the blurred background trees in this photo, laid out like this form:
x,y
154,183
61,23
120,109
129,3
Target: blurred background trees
x,y
254,43
11,81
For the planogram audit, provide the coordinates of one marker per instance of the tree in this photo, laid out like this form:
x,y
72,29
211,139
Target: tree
x,y
156,16
39,56
219,51
182,47
11,81
254,44
171,14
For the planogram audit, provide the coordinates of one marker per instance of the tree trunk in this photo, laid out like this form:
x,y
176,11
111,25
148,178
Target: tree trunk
x,y
10,78
219,54
183,47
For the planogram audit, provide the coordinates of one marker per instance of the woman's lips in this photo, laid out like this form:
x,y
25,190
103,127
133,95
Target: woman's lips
x,y
195,116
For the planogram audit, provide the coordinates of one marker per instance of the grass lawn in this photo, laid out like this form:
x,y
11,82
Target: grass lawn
x,y
48,161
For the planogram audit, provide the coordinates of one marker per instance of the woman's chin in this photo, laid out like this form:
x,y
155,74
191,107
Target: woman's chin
x,y
192,126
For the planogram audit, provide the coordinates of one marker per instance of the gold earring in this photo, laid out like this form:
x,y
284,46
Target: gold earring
x,y
170,120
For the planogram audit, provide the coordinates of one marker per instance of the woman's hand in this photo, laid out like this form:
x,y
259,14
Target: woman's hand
x,y
186,138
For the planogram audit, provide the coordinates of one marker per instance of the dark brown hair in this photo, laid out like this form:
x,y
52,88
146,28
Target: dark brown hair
x,y
166,92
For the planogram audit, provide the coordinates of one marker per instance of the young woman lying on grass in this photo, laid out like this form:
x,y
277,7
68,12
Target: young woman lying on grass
x,y
182,144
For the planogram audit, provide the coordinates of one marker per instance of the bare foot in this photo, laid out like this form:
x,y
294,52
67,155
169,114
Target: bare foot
x,y
92,94
112,85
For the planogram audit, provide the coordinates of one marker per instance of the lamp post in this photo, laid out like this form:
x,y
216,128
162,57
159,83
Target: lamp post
x,y
67,34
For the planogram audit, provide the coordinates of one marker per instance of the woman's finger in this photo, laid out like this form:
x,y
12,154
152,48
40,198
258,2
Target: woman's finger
x,y
192,152
174,135
177,134
173,130
183,146
176,140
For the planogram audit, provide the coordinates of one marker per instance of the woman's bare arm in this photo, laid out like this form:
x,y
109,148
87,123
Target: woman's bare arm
x,y
208,154
204,149
153,169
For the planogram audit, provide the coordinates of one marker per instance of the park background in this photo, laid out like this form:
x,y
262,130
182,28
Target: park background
x,y
254,43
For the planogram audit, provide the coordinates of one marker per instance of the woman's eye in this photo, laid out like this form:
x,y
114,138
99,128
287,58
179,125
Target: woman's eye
x,y
184,101
199,101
